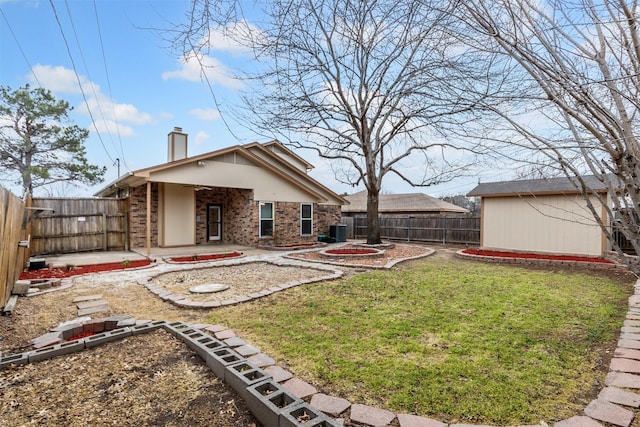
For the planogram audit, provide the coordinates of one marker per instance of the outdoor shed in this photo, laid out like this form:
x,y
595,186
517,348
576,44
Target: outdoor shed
x,y
253,194
542,216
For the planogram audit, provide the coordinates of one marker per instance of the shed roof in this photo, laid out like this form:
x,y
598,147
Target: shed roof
x,y
525,187
408,202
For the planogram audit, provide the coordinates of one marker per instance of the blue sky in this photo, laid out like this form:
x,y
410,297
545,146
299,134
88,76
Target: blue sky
x,y
134,89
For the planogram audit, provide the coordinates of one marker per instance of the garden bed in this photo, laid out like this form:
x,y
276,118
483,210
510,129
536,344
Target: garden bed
x,y
71,270
203,257
533,256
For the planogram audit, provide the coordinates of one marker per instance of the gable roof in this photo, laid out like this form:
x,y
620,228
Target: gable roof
x,y
282,150
527,187
253,153
408,202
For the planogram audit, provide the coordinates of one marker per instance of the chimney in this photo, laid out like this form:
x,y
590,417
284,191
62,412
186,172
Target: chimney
x,y
177,145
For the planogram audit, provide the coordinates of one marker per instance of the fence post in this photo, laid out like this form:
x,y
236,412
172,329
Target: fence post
x,y
444,229
105,236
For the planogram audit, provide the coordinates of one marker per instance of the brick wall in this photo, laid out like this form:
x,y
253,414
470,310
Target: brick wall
x,y
287,223
328,215
239,222
240,218
138,216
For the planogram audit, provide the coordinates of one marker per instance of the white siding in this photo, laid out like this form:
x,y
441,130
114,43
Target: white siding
x,y
265,184
560,224
179,215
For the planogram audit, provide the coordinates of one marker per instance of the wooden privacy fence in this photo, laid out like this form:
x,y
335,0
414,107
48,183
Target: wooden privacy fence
x,y
420,228
14,228
79,225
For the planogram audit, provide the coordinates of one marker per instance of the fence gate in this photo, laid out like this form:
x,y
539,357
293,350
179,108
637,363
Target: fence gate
x,y
80,225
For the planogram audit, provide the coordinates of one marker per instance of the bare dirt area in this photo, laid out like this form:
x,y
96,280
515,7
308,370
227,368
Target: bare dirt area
x,y
147,380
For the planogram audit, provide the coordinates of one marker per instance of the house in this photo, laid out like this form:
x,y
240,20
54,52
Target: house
x,y
400,204
254,195
542,215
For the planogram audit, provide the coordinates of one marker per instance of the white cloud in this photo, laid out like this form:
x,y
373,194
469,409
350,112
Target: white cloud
x,y
109,116
202,137
61,80
104,109
207,114
196,67
233,38
111,127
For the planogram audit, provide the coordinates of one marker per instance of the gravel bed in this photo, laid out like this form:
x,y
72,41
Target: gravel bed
x,y
243,279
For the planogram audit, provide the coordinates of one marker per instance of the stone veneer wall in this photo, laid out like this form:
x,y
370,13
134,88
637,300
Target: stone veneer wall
x,y
138,216
239,221
328,215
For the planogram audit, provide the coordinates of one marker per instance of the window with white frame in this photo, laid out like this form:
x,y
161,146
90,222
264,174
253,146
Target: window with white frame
x,y
306,219
266,219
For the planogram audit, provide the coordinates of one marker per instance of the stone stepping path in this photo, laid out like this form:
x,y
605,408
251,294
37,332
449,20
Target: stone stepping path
x,y
91,304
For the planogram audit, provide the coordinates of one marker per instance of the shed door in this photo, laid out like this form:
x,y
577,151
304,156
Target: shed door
x,y
214,222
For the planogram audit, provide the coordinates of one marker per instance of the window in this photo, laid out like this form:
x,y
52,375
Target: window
x,y
266,219
306,219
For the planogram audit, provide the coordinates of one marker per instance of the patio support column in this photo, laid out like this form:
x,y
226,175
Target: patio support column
x,y
148,227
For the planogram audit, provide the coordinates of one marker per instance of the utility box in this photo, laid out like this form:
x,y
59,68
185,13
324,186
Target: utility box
x,y
36,264
338,232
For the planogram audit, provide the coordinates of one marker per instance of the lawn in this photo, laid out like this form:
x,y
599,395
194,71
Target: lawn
x,y
454,340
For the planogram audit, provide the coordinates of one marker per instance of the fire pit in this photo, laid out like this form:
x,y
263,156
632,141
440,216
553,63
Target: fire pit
x,y
208,288
352,252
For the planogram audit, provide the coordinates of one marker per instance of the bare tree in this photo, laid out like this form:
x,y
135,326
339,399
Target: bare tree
x,y
371,85
580,63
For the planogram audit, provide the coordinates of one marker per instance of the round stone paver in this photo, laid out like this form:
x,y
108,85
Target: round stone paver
x,y
209,288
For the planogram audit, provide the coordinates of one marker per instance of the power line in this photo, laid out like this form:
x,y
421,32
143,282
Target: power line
x,y
106,71
84,62
75,70
20,47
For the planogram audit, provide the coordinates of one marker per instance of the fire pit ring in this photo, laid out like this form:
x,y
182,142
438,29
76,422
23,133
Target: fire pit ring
x,y
208,288
352,252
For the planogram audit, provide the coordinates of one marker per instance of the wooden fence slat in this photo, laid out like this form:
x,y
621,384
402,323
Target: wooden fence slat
x,y
421,228
80,225
12,230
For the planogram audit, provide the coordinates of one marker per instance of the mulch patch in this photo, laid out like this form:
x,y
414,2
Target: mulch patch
x,y
63,272
506,254
351,251
205,257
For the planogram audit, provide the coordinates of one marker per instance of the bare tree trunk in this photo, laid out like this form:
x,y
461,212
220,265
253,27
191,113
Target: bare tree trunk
x,y
373,225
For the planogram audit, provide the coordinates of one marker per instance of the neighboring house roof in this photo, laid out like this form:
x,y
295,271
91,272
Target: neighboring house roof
x,y
408,202
526,187
273,157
